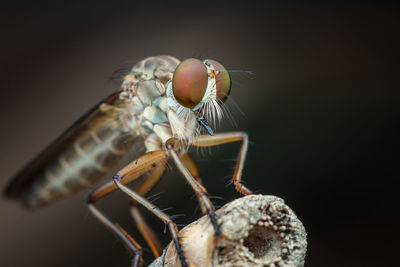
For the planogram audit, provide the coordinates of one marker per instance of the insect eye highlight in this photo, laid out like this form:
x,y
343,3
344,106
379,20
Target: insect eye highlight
x,y
189,82
223,80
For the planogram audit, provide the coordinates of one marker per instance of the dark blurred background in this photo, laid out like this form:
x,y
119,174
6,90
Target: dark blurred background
x,y
321,111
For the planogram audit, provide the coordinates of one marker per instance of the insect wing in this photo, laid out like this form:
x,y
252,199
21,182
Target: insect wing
x,y
36,170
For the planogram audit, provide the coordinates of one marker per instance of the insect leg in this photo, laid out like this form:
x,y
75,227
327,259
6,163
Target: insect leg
x,y
172,146
147,185
129,242
131,172
223,138
192,167
146,231
118,179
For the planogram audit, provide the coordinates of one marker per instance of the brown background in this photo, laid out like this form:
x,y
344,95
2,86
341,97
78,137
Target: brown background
x,y
321,111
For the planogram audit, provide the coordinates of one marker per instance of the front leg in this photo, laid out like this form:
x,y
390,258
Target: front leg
x,y
192,167
172,145
223,138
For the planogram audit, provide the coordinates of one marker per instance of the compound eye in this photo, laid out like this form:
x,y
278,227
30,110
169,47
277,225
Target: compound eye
x,y
189,82
223,80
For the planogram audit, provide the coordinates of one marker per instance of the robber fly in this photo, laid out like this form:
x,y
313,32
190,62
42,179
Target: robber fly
x,y
165,103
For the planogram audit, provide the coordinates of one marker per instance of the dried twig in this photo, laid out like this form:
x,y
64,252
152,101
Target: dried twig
x,y
263,231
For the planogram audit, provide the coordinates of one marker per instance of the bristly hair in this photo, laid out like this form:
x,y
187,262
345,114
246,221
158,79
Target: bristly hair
x,y
209,107
212,112
124,69
227,113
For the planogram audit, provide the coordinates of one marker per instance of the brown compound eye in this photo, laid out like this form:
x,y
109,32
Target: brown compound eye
x,y
189,82
223,80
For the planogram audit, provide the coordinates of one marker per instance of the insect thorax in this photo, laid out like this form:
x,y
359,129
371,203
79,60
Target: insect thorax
x,y
151,115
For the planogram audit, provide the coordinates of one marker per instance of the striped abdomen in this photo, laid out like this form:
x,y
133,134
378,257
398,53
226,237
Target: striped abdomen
x,y
79,158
